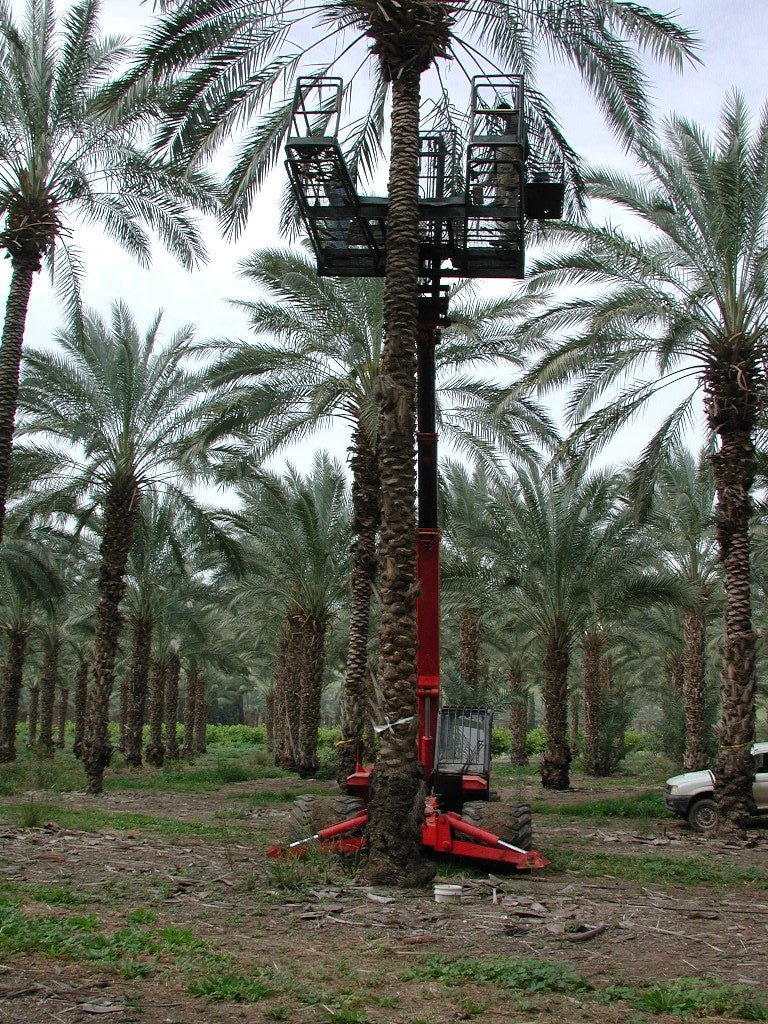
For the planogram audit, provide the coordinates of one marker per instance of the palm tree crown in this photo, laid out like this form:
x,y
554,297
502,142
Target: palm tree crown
x,y
125,406
65,158
691,297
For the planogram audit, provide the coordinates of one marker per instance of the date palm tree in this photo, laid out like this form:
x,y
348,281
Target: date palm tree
x,y
297,530
321,365
117,408
689,295
64,159
29,581
682,527
565,546
231,58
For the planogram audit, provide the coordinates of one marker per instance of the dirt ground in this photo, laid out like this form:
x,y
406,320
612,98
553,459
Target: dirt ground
x,y
333,950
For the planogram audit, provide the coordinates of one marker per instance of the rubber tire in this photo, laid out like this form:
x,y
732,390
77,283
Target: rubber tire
x,y
509,821
310,813
702,815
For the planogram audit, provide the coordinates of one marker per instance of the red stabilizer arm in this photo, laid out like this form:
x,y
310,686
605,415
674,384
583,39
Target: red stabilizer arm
x,y
442,833
323,836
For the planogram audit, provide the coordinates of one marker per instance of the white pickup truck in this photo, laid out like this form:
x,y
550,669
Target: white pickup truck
x,y
691,796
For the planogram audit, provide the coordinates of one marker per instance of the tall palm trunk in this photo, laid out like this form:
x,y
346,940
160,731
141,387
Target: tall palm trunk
x,y
311,693
518,715
24,267
81,699
469,651
674,670
289,667
119,521
366,515
573,723
694,692
122,721
171,706
592,647
13,674
48,679
190,697
154,751
138,677
732,396
201,715
557,756
269,718
63,712
397,790
33,714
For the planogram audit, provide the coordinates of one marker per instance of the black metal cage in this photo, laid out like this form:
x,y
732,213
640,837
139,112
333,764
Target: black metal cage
x,y
478,231
463,741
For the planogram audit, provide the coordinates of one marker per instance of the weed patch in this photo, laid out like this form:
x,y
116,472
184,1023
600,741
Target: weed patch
x,y
692,997
524,975
231,987
656,868
640,805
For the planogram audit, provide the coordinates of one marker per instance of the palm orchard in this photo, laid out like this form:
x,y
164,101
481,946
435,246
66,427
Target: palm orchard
x,y
556,574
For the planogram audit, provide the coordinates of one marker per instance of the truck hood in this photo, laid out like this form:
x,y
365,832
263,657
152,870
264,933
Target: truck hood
x,y
692,781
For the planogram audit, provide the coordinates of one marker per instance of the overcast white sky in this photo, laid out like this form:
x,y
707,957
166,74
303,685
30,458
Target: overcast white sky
x,y
734,36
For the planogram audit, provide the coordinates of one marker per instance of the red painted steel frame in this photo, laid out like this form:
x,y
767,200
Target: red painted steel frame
x,y
443,833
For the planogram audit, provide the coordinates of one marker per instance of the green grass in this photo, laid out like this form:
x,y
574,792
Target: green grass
x,y
133,951
641,805
524,975
693,997
104,821
223,765
231,987
651,867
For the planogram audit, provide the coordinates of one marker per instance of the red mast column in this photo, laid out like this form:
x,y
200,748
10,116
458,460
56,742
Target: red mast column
x,y
428,541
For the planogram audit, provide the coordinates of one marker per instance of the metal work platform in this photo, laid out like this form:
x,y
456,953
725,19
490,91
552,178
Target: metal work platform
x,y
477,231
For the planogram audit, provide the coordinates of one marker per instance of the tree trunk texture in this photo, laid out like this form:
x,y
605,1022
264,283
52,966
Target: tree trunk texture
x,y
311,694
366,516
81,700
694,691
154,752
190,697
171,705
49,677
674,670
122,722
33,714
557,756
469,651
201,715
732,396
609,757
23,272
13,675
138,680
593,648
518,715
288,670
63,713
269,719
119,520
397,786
573,722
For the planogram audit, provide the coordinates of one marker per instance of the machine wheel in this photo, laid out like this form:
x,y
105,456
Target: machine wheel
x,y
310,813
702,815
511,822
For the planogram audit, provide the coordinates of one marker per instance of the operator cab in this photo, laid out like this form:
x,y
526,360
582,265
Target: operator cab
x,y
462,756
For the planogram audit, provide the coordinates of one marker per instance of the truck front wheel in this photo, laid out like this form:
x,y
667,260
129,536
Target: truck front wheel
x,y
702,815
